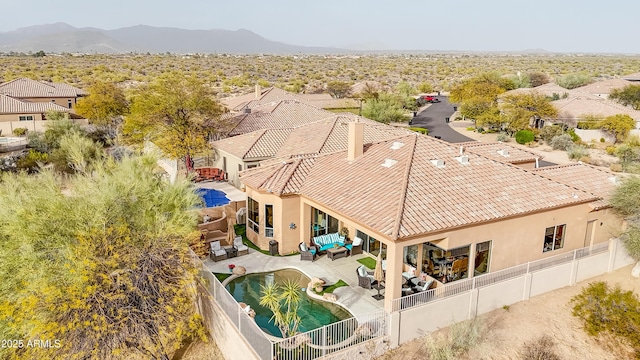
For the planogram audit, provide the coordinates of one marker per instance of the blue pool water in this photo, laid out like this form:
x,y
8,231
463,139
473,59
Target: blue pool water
x,y
314,314
213,198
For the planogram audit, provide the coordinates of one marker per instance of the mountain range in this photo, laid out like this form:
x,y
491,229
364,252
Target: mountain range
x,y
62,37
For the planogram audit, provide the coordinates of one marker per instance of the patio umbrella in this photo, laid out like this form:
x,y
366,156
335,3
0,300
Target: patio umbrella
x,y
378,275
231,232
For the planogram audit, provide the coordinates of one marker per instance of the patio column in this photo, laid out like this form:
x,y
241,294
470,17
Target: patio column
x,y
393,277
419,261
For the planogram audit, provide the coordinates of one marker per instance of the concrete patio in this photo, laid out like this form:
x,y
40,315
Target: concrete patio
x,y
357,300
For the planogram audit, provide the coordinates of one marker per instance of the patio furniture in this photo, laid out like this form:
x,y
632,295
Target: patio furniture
x,y
307,252
217,252
355,247
327,241
240,246
337,252
365,278
423,285
231,252
459,266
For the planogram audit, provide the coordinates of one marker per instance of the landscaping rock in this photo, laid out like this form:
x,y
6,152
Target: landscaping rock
x,y
330,297
319,289
317,282
635,272
239,270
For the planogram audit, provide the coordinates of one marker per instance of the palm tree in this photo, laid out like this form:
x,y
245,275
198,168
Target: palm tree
x,y
283,301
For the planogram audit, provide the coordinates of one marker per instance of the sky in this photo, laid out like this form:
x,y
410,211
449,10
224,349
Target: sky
x,y
475,25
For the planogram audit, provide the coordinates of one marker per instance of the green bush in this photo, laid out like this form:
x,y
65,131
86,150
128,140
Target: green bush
x,y
611,150
502,138
574,137
548,132
420,130
561,142
577,152
471,128
602,140
20,131
609,311
588,125
524,137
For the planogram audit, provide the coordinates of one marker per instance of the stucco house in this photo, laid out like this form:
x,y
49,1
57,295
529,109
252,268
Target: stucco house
x,y
16,113
33,91
422,202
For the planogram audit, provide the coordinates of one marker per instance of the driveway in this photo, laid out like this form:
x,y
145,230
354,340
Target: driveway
x,y
433,119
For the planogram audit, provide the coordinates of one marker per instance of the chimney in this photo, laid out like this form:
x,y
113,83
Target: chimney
x,y
537,162
258,91
246,110
461,150
355,143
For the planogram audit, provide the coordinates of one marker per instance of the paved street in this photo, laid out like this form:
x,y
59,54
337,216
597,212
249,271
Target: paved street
x,y
433,119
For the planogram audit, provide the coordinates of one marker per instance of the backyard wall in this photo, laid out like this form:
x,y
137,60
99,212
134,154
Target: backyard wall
x,y
596,135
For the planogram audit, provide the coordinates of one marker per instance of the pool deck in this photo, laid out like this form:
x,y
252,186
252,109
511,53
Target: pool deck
x,y
229,190
357,300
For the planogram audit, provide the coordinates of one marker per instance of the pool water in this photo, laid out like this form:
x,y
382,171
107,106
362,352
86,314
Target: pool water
x,y
314,314
213,198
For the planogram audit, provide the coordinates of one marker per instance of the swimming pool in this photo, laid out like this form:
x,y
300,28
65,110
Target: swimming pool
x,y
314,313
212,197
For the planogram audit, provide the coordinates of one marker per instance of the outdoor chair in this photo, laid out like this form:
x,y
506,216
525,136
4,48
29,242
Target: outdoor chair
x,y
458,267
365,278
355,247
240,247
217,252
423,285
307,252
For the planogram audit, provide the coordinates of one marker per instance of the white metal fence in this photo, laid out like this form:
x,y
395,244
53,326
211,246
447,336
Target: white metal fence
x,y
306,346
463,286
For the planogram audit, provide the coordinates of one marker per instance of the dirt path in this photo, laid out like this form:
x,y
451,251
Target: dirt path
x,y
546,314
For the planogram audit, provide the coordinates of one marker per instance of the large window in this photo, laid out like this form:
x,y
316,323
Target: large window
x,y
483,256
322,223
554,238
26,118
268,221
371,245
253,207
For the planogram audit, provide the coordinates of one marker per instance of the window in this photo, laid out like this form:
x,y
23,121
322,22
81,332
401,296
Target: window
x,y
53,101
251,166
554,238
483,256
26,118
253,207
268,221
70,104
224,163
371,245
322,223
239,167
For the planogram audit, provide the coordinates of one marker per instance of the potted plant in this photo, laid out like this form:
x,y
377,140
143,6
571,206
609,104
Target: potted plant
x,y
344,231
231,266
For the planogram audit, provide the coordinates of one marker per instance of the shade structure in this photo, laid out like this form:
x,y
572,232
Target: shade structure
x,y
378,275
231,233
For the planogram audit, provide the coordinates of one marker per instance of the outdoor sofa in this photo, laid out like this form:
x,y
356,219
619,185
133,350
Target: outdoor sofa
x,y
327,241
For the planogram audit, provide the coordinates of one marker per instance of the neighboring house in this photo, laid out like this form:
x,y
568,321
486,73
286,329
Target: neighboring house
x,y
16,113
549,90
42,92
502,152
417,200
635,77
576,107
603,88
246,151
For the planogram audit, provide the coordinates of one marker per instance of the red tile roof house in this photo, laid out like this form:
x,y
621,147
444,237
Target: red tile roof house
x,y
419,200
39,91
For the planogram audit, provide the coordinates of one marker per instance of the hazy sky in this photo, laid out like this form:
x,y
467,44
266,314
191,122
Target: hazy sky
x,y
554,25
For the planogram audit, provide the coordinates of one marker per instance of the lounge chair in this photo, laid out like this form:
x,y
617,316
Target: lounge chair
x,y
355,247
365,278
423,285
240,246
307,252
217,252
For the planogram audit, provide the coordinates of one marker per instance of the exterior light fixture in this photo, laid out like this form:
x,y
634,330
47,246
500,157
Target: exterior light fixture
x,y
292,226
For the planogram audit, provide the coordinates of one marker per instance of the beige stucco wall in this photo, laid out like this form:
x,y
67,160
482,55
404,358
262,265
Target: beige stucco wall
x,y
62,101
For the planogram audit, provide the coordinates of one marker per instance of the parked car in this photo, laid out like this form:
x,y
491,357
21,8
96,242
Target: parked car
x,y
431,99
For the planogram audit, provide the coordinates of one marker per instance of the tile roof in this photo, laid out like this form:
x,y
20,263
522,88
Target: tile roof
x,y
26,88
276,115
546,89
581,104
238,103
595,180
500,152
604,86
257,144
411,195
9,105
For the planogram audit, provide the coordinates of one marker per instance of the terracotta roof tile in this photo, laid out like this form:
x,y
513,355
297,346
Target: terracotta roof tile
x,y
9,105
26,88
500,151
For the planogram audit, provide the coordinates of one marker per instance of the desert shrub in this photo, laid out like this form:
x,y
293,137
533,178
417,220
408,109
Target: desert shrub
x,y
420,130
20,131
606,311
540,349
616,167
577,152
471,128
602,140
633,141
524,136
548,132
561,142
627,155
610,150
588,125
502,138
574,137
32,160
573,81
460,340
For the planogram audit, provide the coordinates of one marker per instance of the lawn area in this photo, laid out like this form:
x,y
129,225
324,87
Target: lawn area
x,y
331,288
221,276
368,262
241,229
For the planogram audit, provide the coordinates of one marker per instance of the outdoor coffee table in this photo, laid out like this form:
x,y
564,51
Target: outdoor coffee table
x,y
336,253
231,252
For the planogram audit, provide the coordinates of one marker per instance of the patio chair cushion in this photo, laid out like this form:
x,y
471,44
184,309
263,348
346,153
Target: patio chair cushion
x,y
327,241
237,243
216,249
361,271
303,247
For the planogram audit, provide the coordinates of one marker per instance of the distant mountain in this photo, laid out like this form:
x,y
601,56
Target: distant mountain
x,y
61,37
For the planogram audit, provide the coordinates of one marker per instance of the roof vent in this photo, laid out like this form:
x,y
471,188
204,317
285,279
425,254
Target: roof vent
x,y
464,159
389,163
438,163
461,150
574,195
396,145
504,152
246,110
